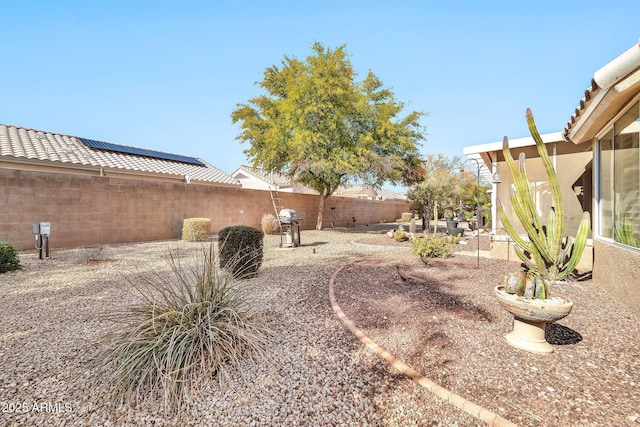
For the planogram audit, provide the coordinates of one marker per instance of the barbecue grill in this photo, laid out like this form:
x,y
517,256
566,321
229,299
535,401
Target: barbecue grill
x,y
290,225
288,216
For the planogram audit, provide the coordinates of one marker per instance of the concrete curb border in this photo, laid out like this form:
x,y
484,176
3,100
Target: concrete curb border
x,y
471,408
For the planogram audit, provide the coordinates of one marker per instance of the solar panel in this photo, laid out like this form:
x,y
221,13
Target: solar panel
x,y
107,146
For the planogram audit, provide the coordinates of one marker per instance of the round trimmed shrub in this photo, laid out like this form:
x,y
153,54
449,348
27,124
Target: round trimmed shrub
x,y
241,250
196,229
8,257
400,236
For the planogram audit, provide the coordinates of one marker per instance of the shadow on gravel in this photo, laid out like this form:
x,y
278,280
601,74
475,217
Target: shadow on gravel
x,y
557,334
454,304
432,295
313,244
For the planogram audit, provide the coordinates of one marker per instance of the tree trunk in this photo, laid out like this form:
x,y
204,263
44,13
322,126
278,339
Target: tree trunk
x,y
427,214
425,222
320,212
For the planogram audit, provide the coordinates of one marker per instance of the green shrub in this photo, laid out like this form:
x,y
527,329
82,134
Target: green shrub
x,y
8,257
196,229
428,247
468,215
269,224
451,239
192,323
241,250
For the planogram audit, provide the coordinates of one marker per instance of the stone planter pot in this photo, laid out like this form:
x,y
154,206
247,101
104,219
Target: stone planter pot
x,y
454,231
452,223
530,318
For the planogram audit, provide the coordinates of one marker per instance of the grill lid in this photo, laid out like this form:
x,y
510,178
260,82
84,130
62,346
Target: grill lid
x,y
288,215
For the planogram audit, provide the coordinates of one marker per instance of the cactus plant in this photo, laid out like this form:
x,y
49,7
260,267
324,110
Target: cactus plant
x,y
547,254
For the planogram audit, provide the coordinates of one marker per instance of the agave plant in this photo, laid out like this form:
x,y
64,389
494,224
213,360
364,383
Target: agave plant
x,y
547,254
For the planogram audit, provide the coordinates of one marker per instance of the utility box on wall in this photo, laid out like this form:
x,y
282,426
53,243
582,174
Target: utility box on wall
x,y
41,232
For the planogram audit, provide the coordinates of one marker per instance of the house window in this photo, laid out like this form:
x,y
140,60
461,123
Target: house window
x,y
620,180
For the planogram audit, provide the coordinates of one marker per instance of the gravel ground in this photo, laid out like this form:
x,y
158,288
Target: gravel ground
x,y
451,330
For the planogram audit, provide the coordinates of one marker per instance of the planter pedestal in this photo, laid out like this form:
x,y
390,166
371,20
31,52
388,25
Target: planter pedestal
x,y
529,335
530,318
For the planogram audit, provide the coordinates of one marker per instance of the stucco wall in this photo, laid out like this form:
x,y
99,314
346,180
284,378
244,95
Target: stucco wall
x,y
617,270
89,209
571,164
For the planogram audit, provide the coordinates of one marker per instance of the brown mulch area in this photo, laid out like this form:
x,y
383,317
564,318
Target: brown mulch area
x,y
451,329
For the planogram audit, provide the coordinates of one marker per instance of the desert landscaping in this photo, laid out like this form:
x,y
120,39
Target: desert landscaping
x,y
448,326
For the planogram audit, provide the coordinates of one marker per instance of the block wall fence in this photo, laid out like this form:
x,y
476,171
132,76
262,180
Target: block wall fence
x,y
89,210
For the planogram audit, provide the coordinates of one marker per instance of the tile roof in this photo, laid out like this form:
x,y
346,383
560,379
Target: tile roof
x,y
281,181
609,89
384,194
589,95
366,190
271,178
64,150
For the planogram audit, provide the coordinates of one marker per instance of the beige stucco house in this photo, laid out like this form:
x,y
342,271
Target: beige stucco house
x,y
597,158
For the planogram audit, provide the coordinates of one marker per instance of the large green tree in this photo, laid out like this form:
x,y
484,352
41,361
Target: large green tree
x,y
322,128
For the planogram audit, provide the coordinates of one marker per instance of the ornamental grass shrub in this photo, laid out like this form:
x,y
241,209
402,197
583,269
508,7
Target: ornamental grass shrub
x,y
8,257
196,229
269,224
192,324
241,250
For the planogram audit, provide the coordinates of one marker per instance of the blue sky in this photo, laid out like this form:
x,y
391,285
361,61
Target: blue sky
x,y
166,75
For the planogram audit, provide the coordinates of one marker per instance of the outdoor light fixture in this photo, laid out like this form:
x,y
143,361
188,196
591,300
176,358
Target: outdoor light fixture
x,y
497,179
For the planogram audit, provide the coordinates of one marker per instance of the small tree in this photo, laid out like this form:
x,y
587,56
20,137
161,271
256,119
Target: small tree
x,y
443,186
323,129
471,194
438,188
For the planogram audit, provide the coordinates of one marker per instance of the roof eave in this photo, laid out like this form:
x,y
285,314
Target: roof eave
x,y
97,170
605,106
612,87
528,141
49,163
